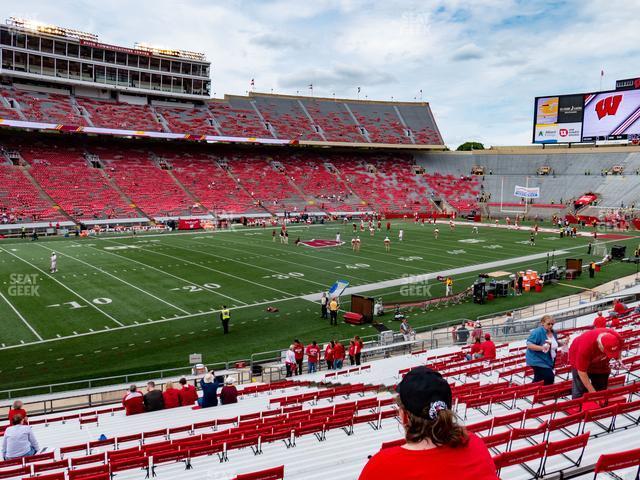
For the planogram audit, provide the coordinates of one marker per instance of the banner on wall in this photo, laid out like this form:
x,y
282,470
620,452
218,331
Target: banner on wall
x,y
189,224
527,192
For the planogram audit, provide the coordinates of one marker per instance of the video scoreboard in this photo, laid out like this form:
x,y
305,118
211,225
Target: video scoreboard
x,y
592,117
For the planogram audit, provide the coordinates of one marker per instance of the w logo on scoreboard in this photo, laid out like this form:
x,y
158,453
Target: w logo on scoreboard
x,y
608,106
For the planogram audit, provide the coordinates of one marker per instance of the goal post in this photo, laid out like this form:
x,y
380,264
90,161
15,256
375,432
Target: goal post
x,y
507,210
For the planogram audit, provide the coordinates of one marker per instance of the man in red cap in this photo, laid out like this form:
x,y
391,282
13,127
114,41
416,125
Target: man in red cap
x,y
488,348
589,356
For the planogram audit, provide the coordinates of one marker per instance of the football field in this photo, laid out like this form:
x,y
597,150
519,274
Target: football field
x,y
135,303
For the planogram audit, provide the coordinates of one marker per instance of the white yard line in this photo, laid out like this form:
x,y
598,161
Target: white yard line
x,y
119,279
324,270
91,304
313,298
146,324
430,276
211,269
24,320
247,264
188,282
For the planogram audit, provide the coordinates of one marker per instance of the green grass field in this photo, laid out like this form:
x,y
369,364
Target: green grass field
x,y
127,304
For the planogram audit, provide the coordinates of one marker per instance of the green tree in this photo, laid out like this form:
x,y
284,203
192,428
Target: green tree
x,y
468,146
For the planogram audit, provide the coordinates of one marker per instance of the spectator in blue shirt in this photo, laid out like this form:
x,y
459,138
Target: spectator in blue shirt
x,y
209,387
542,346
19,440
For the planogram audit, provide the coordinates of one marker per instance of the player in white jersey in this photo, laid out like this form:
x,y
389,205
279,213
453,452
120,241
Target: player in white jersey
x,y
452,225
387,244
400,235
436,232
475,229
338,237
54,262
357,244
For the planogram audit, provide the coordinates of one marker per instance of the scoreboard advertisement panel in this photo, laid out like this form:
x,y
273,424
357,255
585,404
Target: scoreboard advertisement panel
x,y
592,117
558,119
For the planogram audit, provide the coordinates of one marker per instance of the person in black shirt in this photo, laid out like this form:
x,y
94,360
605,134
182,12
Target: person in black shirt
x,y
153,398
462,334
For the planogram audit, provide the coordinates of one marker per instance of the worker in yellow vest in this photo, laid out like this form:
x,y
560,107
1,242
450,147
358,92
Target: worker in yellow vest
x,y
225,316
334,306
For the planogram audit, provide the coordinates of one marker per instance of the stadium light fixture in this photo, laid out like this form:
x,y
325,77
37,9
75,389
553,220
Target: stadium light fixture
x,y
171,52
39,27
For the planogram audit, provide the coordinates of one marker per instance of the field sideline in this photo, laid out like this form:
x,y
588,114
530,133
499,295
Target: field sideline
x,y
124,304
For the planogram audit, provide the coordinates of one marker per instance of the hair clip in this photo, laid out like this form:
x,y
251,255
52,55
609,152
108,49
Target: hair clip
x,y
435,408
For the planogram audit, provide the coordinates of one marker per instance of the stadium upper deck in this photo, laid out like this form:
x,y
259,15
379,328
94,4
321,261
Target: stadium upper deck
x,y
59,78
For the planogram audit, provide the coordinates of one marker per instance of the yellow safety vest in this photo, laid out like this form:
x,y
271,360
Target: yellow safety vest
x,y
225,314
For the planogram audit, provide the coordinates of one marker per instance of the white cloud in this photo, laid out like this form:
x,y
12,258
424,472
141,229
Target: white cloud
x,y
479,63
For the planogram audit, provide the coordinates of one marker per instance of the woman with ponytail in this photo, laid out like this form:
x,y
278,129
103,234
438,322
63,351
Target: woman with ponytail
x,y
436,447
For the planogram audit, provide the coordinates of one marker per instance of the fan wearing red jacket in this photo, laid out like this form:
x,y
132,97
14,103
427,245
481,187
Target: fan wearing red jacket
x,y
338,356
171,396
599,321
357,349
328,355
589,356
313,355
352,349
620,308
188,394
298,351
16,409
133,401
488,348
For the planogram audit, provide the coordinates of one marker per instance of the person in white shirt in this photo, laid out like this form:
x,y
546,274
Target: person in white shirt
x,y
400,235
338,237
54,262
407,332
290,362
19,440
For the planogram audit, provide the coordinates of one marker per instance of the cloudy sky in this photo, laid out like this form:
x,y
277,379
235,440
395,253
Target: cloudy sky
x,y
479,62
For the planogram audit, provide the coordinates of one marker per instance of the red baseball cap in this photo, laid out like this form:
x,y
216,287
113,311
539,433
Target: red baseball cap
x,y
610,345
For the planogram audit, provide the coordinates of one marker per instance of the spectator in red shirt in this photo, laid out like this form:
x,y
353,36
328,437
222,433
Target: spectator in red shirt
x,y
357,349
589,356
229,393
619,308
328,355
488,348
615,322
476,350
599,321
313,354
171,396
17,409
188,394
298,351
338,355
352,348
133,401
436,447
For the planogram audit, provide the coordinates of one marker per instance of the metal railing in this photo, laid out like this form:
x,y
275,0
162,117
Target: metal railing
x,y
267,366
